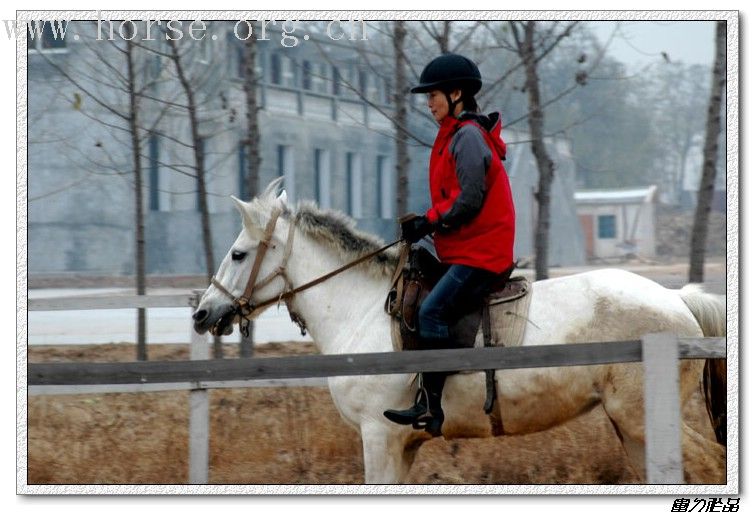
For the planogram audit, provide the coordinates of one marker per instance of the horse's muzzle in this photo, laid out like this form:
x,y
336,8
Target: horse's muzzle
x,y
217,325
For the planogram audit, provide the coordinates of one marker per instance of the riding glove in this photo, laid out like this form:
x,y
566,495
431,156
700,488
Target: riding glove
x,y
415,229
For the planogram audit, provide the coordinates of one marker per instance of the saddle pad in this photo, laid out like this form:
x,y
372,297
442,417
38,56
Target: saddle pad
x,y
509,314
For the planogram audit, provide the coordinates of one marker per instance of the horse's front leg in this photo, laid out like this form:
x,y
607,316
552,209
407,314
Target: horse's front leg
x,y
386,460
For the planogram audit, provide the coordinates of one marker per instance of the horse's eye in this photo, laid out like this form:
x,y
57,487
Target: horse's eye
x,y
237,255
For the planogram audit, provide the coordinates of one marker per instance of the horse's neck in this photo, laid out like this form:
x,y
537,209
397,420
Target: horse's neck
x,y
345,313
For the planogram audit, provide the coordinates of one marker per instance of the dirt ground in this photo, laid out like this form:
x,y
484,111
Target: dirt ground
x,y
285,436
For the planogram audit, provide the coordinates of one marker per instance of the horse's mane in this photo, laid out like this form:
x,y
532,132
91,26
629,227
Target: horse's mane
x,y
339,233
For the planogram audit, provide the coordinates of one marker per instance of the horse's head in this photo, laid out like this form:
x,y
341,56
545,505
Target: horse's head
x,y
224,299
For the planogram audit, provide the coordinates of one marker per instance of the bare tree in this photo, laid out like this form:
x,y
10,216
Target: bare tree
x,y
252,150
526,49
710,155
198,148
252,140
133,120
440,35
400,89
199,154
110,101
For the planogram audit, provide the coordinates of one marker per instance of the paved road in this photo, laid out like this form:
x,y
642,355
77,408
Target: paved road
x,y
173,325
164,325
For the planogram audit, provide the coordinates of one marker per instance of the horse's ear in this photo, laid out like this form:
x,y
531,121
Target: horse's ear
x,y
248,218
270,192
283,199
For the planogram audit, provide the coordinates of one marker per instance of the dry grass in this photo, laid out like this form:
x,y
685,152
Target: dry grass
x,y
283,436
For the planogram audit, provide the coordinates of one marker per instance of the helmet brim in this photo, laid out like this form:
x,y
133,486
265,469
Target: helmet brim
x,y
472,85
424,88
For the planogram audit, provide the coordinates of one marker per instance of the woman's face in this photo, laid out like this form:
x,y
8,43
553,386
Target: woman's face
x,y
438,105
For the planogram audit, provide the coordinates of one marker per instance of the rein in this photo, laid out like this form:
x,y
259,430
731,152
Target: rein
x,y
243,305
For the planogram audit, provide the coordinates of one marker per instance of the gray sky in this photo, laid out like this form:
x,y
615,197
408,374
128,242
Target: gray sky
x,y
640,42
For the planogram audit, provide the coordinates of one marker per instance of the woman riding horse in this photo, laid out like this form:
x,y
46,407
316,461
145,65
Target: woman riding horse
x,y
471,217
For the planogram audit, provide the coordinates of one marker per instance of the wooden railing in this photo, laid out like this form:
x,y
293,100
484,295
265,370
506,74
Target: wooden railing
x,y
658,352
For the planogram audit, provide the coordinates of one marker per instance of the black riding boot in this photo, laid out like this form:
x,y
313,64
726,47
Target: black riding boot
x,y
426,413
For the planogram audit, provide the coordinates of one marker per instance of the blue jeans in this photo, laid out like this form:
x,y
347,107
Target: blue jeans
x,y
460,288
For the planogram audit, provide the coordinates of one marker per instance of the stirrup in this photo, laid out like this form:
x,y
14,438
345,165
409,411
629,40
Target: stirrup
x,y
430,423
411,414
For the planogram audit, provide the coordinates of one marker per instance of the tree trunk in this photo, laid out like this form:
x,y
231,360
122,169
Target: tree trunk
x,y
252,149
682,171
133,120
544,162
199,168
400,119
445,36
710,155
252,143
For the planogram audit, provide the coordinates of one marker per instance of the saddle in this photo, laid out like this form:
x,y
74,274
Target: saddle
x,y
498,319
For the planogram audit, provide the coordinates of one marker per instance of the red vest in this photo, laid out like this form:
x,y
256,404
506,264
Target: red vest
x,y
487,241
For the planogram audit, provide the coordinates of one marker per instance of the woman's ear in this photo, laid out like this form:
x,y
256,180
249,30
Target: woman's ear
x,y
456,95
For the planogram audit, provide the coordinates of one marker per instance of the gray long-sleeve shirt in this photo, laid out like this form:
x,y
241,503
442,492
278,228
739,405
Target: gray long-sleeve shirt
x,y
472,156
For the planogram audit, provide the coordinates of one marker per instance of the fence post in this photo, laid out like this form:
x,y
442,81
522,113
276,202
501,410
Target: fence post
x,y
199,411
246,345
663,451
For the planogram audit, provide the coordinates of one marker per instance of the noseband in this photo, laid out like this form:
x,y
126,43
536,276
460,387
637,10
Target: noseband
x,y
243,305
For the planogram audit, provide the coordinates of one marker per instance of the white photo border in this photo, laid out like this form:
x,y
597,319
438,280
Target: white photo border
x,y
731,487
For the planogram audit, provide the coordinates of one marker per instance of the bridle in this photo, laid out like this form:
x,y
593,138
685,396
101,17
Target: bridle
x,y
243,305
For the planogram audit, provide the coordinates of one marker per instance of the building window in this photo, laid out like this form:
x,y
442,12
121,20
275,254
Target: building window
x,y
353,185
275,69
362,78
154,172
51,36
336,81
607,226
320,78
306,75
384,188
285,169
153,71
280,160
290,72
243,169
240,65
388,92
322,178
205,49
155,67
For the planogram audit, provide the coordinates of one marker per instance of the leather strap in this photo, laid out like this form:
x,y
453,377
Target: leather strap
x,y
290,293
492,407
264,246
244,306
397,282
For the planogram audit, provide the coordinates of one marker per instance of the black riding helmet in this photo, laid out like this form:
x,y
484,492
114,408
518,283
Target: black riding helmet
x,y
449,72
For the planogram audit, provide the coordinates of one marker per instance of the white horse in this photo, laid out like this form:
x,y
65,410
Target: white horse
x,y
345,315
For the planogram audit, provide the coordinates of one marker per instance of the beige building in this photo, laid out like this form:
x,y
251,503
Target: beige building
x,y
618,223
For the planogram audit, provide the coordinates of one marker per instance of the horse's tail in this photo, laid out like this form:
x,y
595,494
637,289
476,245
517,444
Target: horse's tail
x,y
710,312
